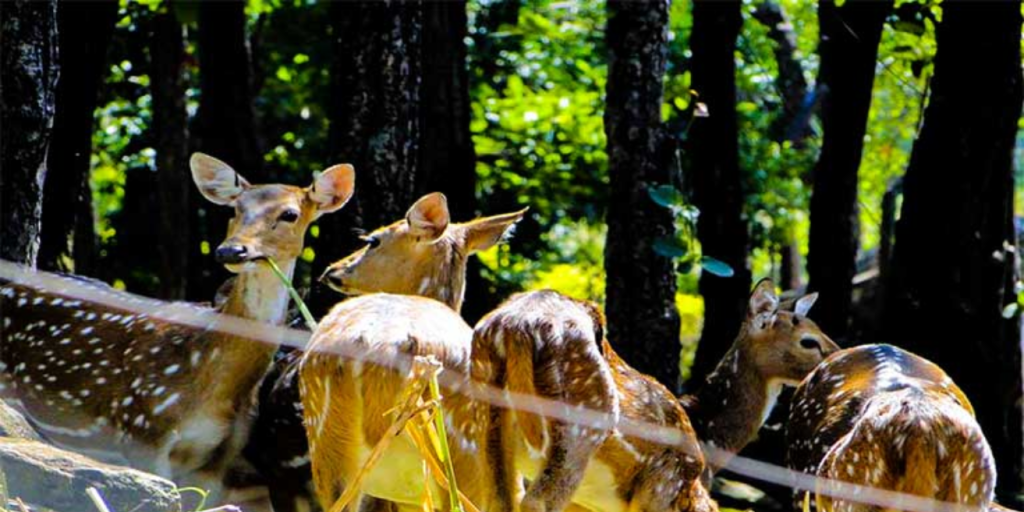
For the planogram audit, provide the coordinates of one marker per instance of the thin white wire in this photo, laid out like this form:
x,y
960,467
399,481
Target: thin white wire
x,y
185,314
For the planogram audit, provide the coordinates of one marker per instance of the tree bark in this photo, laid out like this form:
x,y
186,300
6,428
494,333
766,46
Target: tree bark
x,y
791,82
643,323
848,48
374,119
790,125
447,160
715,179
68,238
29,71
170,130
225,127
953,262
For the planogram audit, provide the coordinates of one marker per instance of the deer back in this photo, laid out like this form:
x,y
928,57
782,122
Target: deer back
x,y
883,417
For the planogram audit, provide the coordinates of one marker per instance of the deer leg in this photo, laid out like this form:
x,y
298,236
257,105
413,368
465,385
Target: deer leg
x,y
571,450
585,382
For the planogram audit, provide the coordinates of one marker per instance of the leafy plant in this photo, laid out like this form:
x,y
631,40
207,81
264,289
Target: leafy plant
x,y
682,246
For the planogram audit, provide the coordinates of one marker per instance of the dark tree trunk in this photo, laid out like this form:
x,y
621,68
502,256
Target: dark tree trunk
x,y
374,119
170,130
225,127
715,179
28,83
791,81
643,323
447,160
791,124
226,122
954,266
848,48
68,238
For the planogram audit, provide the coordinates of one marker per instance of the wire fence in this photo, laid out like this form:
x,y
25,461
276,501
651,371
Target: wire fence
x,y
206,319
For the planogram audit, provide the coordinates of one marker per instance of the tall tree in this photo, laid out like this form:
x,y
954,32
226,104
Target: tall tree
x,y
68,239
447,160
643,323
374,117
848,49
170,130
29,71
791,124
954,261
225,127
715,178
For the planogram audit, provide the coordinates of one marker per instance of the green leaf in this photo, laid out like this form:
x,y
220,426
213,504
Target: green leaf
x,y
1010,310
666,195
716,267
670,247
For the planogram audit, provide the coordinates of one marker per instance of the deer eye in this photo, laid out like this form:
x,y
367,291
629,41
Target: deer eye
x,y
288,216
810,344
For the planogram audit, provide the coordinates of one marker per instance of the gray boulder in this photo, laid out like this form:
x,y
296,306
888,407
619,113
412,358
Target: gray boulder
x,y
55,479
13,424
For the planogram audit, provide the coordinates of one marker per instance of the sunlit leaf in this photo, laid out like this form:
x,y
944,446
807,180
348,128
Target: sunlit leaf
x,y
1010,310
716,266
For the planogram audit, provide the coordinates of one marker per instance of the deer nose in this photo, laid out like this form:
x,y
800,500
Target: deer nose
x,y
231,254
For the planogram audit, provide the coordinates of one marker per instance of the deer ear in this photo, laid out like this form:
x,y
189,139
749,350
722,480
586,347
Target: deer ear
x,y
428,217
484,233
764,303
804,304
217,181
332,188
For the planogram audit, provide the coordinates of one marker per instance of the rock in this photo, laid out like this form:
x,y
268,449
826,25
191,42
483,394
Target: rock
x,y
56,479
13,424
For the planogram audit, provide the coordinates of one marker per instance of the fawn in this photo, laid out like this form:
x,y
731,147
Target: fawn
x,y
777,346
424,254
883,417
533,344
170,399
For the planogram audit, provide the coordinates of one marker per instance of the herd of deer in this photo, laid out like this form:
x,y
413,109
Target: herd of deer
x,y
182,402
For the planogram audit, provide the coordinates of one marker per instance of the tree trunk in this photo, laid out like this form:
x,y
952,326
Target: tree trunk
x,y
791,125
225,127
374,119
68,238
953,262
848,48
170,130
715,179
643,323
447,160
28,71
791,82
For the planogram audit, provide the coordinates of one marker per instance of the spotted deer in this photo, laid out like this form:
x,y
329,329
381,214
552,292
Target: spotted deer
x,y
883,417
777,346
424,254
171,399
541,343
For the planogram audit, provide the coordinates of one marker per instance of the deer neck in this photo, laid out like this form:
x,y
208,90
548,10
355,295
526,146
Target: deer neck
x,y
733,403
239,363
447,283
259,295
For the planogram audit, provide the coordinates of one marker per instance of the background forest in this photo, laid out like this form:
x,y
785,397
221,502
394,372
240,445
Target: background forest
x,y
669,156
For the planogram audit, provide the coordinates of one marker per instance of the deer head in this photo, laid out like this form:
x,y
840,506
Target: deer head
x,y
785,345
423,254
270,220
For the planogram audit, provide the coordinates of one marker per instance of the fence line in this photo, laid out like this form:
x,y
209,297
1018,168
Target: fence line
x,y
206,319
